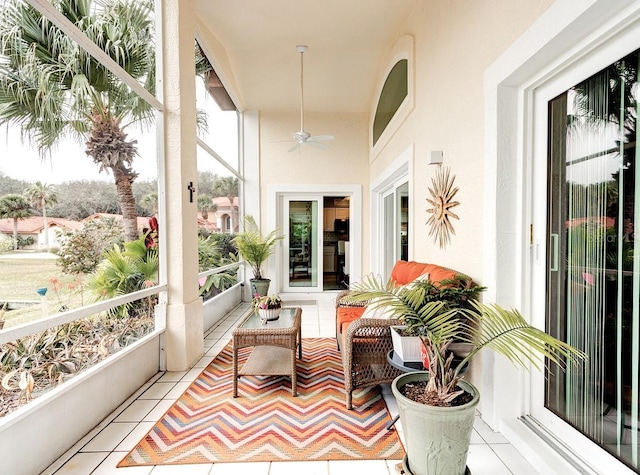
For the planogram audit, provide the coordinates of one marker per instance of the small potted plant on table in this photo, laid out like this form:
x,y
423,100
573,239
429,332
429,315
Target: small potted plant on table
x,y
267,306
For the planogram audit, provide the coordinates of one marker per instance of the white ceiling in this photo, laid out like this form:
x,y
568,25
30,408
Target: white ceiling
x,y
348,41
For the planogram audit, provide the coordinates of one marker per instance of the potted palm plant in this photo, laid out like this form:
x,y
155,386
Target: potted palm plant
x,y
256,249
457,292
437,407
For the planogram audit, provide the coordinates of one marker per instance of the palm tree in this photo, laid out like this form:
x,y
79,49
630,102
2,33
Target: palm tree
x,y
205,204
226,186
52,89
42,195
150,202
14,207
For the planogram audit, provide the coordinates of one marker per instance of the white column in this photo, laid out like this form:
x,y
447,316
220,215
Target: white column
x,y
184,336
251,199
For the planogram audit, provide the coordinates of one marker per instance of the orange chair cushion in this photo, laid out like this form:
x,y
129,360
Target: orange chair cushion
x,y
345,315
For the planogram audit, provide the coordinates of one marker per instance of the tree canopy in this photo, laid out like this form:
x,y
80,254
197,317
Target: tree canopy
x,y
51,88
15,207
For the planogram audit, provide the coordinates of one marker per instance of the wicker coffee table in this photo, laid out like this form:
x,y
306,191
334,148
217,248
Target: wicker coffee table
x,y
274,343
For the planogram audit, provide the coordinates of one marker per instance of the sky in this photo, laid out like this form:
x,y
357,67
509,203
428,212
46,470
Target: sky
x,y
68,162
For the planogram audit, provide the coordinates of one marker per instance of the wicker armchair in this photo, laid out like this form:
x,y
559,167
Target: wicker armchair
x,y
366,344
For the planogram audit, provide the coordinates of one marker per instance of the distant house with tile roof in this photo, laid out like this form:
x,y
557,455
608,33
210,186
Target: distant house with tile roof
x,y
225,218
34,227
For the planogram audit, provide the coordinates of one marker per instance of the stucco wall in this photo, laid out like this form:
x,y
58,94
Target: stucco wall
x,y
454,43
345,161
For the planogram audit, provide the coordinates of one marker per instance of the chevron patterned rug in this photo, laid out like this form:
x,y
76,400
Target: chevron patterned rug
x,y
265,423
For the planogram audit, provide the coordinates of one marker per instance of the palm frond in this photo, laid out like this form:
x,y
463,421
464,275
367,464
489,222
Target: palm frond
x,y
508,333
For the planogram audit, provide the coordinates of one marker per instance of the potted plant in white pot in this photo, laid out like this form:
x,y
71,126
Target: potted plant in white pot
x,y
437,407
457,292
267,306
256,249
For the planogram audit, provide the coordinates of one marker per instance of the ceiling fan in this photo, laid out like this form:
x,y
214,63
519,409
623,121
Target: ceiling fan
x,y
302,137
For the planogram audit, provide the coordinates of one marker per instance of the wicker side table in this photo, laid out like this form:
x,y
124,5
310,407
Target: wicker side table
x,y
274,343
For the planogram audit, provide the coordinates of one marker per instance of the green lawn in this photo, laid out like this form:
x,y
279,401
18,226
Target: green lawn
x,y
19,279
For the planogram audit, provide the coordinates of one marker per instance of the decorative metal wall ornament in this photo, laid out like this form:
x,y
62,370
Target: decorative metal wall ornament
x,y
442,193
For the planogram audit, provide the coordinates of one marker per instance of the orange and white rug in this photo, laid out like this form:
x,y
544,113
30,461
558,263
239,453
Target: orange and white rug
x,y
266,423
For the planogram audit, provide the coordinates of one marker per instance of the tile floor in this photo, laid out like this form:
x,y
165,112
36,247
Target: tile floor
x,y
99,452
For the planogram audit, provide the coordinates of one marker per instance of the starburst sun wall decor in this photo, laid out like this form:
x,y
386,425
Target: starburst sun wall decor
x,y
442,192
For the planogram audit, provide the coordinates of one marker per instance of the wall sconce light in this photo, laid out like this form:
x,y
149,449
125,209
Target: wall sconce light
x,y
435,157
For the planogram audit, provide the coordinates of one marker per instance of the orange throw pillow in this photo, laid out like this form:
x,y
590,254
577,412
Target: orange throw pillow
x,y
407,271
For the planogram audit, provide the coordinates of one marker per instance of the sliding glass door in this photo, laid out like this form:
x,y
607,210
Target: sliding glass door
x,y
318,246
593,268
303,258
395,225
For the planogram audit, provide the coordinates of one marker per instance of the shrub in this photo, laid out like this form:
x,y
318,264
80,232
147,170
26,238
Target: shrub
x,y
224,244
125,271
6,243
81,251
214,251
25,241
32,365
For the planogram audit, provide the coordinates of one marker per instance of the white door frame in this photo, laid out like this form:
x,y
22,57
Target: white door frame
x,y
401,170
275,195
284,203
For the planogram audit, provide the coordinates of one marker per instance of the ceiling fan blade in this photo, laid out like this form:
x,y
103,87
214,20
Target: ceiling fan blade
x,y
322,137
319,145
294,148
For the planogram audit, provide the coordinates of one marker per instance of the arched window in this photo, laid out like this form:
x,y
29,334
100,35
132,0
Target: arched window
x,y
394,92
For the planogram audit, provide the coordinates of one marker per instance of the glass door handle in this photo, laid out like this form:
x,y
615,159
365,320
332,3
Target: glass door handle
x,y
554,252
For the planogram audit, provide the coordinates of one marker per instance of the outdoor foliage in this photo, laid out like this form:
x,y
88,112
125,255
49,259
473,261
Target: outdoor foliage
x,y
32,365
81,198
14,207
126,271
224,245
11,185
206,204
148,204
215,251
215,185
52,89
82,250
25,241
6,243
42,196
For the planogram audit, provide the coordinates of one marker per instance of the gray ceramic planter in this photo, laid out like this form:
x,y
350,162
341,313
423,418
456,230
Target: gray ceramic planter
x,y
260,286
437,438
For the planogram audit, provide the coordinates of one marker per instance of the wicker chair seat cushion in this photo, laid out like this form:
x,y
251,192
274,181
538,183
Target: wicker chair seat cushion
x,y
346,315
